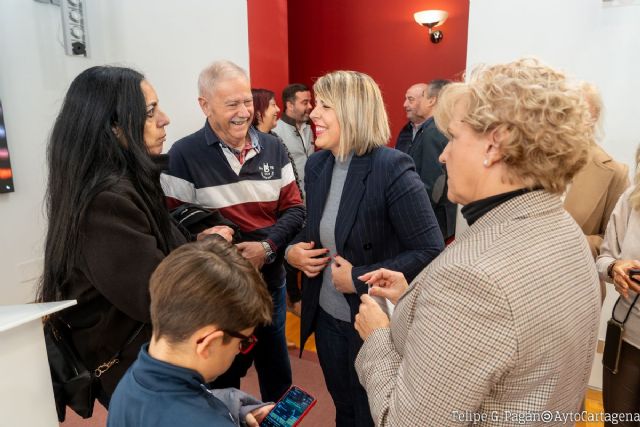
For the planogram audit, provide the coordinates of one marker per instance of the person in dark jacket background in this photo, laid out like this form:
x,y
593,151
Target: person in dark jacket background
x,y
425,149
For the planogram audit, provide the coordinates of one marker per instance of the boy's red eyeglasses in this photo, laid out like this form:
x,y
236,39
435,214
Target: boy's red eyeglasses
x,y
246,342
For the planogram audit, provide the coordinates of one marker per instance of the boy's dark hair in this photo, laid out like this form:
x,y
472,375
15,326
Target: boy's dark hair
x,y
289,93
204,283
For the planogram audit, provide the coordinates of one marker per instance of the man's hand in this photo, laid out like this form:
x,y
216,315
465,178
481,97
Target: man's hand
x,y
370,317
222,230
341,275
254,252
308,260
386,283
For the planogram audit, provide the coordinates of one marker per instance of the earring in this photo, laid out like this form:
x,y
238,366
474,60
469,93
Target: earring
x,y
485,163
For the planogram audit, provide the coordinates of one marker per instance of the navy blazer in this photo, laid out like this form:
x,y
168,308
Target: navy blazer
x,y
384,220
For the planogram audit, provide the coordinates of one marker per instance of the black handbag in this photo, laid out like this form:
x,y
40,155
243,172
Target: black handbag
x,y
74,385
195,219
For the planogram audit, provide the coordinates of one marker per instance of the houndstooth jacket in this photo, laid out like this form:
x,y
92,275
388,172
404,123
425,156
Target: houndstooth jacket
x,y
500,328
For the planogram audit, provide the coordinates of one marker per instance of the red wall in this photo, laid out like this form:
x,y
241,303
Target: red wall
x,y
268,44
380,38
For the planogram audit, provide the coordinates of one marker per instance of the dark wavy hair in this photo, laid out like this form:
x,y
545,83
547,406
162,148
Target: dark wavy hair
x,y
261,98
85,157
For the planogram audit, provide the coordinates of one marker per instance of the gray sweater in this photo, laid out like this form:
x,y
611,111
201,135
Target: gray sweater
x,y
331,300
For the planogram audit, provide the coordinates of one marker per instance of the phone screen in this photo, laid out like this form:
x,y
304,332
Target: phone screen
x,y
290,409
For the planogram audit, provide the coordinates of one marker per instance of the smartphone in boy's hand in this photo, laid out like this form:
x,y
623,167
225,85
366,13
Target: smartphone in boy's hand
x,y
290,409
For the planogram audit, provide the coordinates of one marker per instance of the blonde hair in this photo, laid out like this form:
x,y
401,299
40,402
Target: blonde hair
x,y
545,119
356,99
217,71
634,197
594,101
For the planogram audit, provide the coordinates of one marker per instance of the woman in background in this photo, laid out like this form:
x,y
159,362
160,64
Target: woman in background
x,y
265,110
367,205
595,190
619,254
108,225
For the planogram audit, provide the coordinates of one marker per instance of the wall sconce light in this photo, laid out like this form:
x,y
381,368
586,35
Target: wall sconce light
x,y
431,19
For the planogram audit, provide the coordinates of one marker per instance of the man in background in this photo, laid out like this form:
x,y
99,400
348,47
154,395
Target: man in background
x,y
294,128
425,149
412,106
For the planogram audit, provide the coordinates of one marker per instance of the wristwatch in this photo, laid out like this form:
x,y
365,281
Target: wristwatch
x,y
269,255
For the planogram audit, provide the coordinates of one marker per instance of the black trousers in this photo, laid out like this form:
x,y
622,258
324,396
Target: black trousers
x,y
338,344
621,391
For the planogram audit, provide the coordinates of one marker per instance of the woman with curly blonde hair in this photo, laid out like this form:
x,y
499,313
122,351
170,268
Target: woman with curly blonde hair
x,y
619,256
503,324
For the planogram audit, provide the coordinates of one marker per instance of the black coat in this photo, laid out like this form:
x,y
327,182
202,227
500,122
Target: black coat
x,y
119,251
425,150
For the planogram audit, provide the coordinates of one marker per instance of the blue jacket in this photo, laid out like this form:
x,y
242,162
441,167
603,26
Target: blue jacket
x,y
157,394
384,220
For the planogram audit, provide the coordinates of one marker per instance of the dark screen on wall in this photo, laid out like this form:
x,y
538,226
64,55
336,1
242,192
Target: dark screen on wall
x,y
6,174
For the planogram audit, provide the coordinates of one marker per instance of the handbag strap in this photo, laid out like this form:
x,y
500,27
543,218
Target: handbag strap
x,y
104,367
613,312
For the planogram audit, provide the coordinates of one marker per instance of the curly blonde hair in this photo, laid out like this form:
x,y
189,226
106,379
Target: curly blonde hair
x,y
545,119
359,107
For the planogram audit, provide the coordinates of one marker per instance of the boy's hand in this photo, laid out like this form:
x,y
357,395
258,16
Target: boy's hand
x,y
255,417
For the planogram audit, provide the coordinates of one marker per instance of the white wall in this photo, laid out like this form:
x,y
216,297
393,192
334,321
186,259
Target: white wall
x,y
169,41
586,40
583,38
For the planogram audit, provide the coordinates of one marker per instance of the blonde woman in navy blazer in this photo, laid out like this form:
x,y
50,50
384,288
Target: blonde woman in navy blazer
x,y
366,209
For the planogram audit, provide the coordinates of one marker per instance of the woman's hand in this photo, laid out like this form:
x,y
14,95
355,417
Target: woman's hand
x,y
303,257
255,417
386,283
341,275
370,317
621,279
222,230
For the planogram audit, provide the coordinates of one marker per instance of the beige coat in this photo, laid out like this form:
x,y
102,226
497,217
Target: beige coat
x,y
501,326
593,194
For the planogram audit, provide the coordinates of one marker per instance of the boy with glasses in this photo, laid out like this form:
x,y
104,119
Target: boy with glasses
x,y
206,300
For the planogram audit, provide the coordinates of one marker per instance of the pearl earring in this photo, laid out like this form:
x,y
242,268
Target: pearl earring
x,y
485,163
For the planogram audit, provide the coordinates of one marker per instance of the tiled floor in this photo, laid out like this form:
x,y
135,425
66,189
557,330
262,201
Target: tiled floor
x,y
593,405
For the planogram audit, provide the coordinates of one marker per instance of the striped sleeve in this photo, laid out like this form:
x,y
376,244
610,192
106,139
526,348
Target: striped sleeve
x,y
291,211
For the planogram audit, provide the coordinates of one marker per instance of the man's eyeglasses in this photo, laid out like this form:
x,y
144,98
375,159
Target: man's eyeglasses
x,y
246,342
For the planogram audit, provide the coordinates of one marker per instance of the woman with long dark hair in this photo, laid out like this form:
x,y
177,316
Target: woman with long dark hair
x,y
108,225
